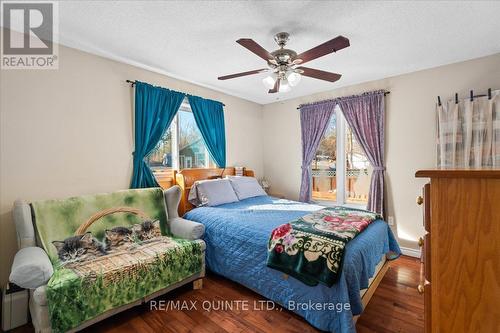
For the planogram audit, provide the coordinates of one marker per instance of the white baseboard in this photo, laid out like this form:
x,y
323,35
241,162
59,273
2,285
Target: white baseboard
x,y
410,252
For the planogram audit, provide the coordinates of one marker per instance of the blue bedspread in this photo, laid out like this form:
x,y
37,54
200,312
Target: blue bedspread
x,y
237,235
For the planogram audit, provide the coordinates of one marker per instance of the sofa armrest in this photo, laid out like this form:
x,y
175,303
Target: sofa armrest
x,y
186,229
31,268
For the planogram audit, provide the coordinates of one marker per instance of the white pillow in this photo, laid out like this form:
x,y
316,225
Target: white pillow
x,y
31,268
212,193
246,187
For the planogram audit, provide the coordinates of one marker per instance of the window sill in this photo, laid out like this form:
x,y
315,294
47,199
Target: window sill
x,y
357,206
164,177
328,203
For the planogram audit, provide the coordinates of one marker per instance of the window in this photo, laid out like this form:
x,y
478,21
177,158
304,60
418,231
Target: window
x,y
161,156
358,172
341,172
324,165
181,146
192,150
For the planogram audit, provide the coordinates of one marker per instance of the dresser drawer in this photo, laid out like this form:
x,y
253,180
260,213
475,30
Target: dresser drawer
x,y
425,200
427,257
427,308
427,207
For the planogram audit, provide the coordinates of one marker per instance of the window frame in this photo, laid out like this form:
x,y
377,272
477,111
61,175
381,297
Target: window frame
x,y
341,165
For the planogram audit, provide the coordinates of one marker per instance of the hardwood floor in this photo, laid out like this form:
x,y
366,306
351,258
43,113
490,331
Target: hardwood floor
x,y
396,306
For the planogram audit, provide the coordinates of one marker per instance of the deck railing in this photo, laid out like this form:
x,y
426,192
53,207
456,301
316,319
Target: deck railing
x,y
324,185
350,173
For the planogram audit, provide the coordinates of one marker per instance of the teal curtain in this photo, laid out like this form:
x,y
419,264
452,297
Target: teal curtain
x,y
209,117
155,109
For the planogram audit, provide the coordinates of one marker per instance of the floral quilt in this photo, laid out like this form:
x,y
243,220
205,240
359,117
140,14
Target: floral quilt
x,y
311,248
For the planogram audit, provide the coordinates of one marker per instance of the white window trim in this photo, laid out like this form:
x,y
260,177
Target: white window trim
x,y
174,128
341,160
340,164
207,158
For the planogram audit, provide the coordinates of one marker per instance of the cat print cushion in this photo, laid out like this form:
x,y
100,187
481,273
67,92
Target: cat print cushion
x,y
118,238
119,261
56,220
86,247
147,230
79,248
124,238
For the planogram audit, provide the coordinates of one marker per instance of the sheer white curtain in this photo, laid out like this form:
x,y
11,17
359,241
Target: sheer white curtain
x,y
469,133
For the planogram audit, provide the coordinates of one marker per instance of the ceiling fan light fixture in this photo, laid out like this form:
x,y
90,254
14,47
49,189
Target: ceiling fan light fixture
x,y
269,81
294,78
284,86
283,63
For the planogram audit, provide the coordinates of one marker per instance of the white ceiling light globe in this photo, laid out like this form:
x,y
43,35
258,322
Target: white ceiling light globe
x,y
269,82
284,86
294,78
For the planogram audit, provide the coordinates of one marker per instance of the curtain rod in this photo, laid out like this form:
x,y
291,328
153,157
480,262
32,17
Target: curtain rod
x,y
471,96
319,102
132,83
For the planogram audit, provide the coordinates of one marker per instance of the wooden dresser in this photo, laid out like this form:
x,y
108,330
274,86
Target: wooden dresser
x,y
461,250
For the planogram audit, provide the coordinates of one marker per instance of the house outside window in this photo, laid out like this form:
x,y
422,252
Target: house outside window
x,y
181,146
341,172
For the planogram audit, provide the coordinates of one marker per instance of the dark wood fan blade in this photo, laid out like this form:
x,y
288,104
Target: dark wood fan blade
x,y
338,43
318,74
276,87
232,76
252,46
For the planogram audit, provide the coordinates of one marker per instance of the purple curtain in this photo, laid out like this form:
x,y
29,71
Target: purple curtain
x,y
314,120
365,114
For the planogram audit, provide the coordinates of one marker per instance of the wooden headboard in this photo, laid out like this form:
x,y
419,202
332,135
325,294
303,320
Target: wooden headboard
x,y
185,179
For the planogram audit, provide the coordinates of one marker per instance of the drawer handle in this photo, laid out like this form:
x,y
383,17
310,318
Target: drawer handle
x,y
420,288
420,200
420,242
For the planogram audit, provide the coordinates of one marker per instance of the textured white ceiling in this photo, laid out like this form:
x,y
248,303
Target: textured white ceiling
x,y
195,40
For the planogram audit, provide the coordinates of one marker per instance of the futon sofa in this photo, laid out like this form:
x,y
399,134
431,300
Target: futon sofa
x,y
44,264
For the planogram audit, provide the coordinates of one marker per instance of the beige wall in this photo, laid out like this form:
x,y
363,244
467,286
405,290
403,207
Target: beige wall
x,y
410,133
69,132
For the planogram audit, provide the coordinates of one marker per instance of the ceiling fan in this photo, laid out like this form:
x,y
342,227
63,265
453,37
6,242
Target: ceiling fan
x,y
285,64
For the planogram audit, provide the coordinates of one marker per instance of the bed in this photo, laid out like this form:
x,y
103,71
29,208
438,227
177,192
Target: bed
x,y
236,237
